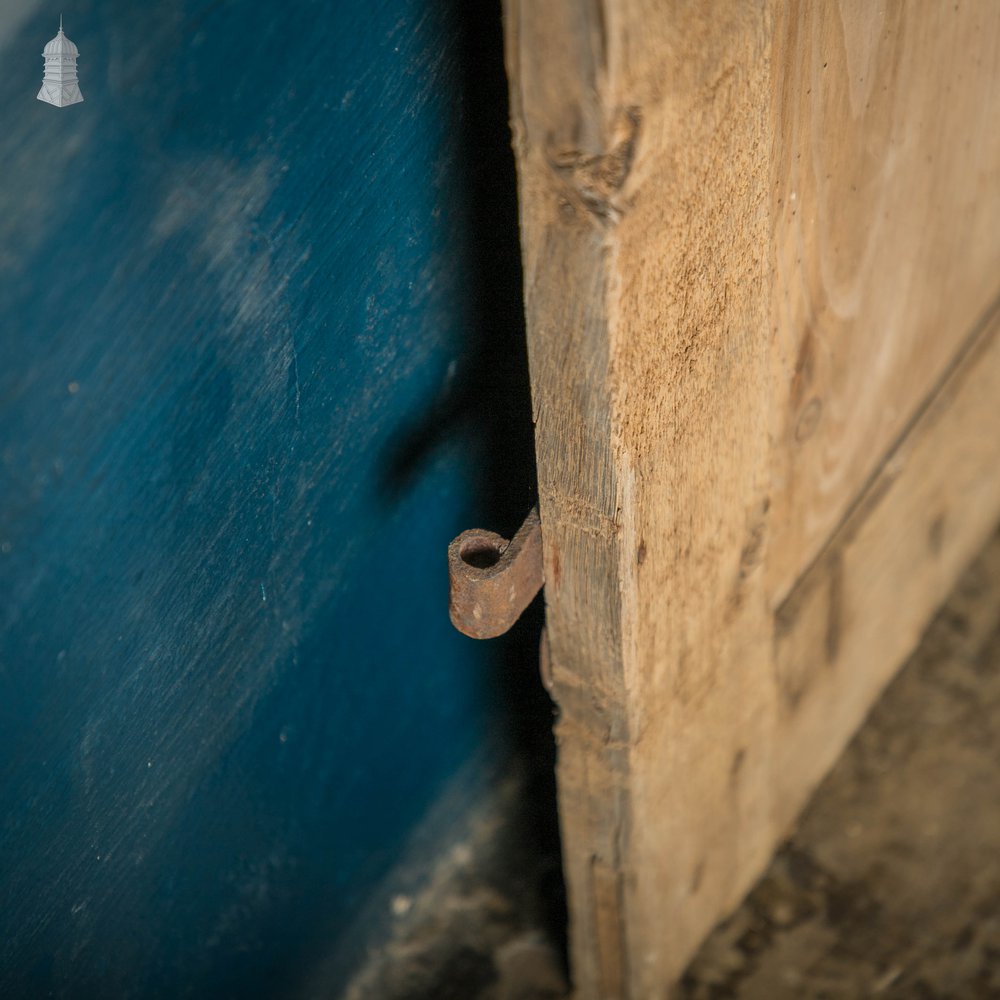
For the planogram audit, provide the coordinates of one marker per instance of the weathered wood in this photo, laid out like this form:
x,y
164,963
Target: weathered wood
x,y
887,199
755,241
861,607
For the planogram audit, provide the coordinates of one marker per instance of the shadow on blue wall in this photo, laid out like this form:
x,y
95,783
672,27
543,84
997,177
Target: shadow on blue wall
x,y
262,358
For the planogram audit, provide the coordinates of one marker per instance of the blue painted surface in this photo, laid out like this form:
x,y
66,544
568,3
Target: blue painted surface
x,y
236,295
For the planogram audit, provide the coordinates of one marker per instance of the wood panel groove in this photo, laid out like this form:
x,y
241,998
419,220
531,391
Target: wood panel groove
x,y
883,476
886,569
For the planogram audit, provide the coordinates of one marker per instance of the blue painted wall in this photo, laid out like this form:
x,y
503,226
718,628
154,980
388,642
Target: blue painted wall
x,y
258,345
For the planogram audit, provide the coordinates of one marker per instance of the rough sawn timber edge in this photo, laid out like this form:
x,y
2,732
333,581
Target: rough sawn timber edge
x,y
576,145
578,493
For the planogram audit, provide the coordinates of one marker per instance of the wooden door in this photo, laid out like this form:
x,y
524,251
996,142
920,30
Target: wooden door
x,y
762,254
242,412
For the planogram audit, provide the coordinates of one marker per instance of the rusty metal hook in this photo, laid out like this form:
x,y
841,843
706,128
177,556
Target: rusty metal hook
x,y
493,580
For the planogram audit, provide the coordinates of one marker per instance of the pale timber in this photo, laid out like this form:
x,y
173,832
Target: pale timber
x,y
761,246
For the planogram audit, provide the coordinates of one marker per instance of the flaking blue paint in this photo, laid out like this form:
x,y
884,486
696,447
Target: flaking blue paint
x,y
229,282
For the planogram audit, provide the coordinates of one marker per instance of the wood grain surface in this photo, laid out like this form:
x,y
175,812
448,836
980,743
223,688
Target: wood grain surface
x,y
759,242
